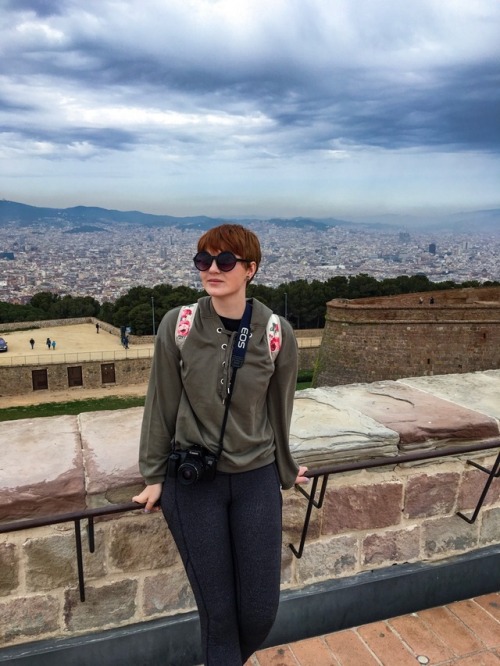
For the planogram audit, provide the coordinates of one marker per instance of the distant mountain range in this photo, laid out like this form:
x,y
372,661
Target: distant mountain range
x,y
87,218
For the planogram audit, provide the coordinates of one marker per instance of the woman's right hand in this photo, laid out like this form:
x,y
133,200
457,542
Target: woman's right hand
x,y
149,496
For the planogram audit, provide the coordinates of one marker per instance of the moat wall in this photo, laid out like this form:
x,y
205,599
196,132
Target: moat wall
x,y
373,339
56,371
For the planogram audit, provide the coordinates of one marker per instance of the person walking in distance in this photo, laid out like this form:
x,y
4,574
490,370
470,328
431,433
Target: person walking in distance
x,y
214,446
32,343
48,343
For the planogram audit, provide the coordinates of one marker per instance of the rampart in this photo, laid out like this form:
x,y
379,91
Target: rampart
x,y
39,369
371,519
372,339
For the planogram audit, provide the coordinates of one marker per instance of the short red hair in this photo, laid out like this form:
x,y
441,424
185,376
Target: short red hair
x,y
233,238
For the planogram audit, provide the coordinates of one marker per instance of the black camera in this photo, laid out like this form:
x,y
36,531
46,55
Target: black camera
x,y
192,465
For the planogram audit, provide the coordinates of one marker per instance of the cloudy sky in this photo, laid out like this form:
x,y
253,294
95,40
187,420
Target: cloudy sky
x,y
251,107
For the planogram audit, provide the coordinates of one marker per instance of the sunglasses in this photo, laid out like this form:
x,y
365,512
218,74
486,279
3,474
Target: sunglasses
x,y
225,261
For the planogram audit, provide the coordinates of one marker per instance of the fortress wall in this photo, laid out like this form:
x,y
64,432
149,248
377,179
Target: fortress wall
x,y
466,296
367,340
18,380
307,357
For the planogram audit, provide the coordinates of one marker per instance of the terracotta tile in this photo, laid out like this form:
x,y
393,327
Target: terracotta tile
x,y
350,649
420,638
276,656
481,659
478,620
384,643
451,631
313,652
491,604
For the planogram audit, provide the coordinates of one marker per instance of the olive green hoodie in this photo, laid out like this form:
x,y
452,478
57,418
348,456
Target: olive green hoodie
x,y
187,387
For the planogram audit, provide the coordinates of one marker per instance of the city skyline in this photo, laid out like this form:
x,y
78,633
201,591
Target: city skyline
x,y
105,264
243,108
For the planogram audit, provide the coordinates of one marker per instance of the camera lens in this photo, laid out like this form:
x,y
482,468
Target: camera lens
x,y
189,473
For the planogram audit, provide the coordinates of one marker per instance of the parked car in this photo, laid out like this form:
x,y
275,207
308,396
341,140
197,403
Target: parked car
x,y
3,345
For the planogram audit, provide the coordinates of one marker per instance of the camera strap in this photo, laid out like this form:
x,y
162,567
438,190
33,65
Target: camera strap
x,y
237,359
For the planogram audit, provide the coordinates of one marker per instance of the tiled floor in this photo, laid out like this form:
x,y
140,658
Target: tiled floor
x,y
464,633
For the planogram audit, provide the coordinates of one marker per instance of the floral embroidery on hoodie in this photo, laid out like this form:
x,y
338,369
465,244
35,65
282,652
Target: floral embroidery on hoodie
x,y
274,337
184,325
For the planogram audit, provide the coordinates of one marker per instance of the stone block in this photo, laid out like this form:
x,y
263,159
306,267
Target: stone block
x,y
448,536
42,468
147,543
9,568
323,433
328,558
51,561
421,419
490,527
287,564
431,494
294,513
472,485
110,442
28,617
362,507
167,592
391,547
474,390
105,606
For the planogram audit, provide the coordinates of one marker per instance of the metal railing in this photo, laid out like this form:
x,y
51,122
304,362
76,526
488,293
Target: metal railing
x,y
54,358
315,475
419,456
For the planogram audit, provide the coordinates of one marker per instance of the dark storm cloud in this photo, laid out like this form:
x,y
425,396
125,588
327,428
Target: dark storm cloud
x,y
456,106
104,138
251,85
459,109
11,106
38,7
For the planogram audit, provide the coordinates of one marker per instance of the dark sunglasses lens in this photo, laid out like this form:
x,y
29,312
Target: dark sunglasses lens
x,y
203,261
226,261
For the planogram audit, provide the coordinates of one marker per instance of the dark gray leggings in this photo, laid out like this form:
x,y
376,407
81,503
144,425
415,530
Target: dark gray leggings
x,y
228,532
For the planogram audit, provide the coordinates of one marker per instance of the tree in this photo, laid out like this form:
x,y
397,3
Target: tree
x,y
69,307
140,319
12,312
106,312
363,286
45,301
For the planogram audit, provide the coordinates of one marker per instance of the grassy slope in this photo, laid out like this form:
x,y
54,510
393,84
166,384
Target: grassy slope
x,y
93,405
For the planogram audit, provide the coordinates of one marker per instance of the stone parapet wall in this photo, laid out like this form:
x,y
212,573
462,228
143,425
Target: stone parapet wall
x,y
18,380
373,339
369,519
130,367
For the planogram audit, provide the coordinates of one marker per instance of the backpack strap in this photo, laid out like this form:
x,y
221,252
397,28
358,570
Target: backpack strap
x,y
185,321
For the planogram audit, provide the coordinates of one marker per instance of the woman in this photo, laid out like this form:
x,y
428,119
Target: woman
x,y
227,524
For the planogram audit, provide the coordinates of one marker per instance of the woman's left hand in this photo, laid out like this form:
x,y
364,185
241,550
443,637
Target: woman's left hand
x,y
300,476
